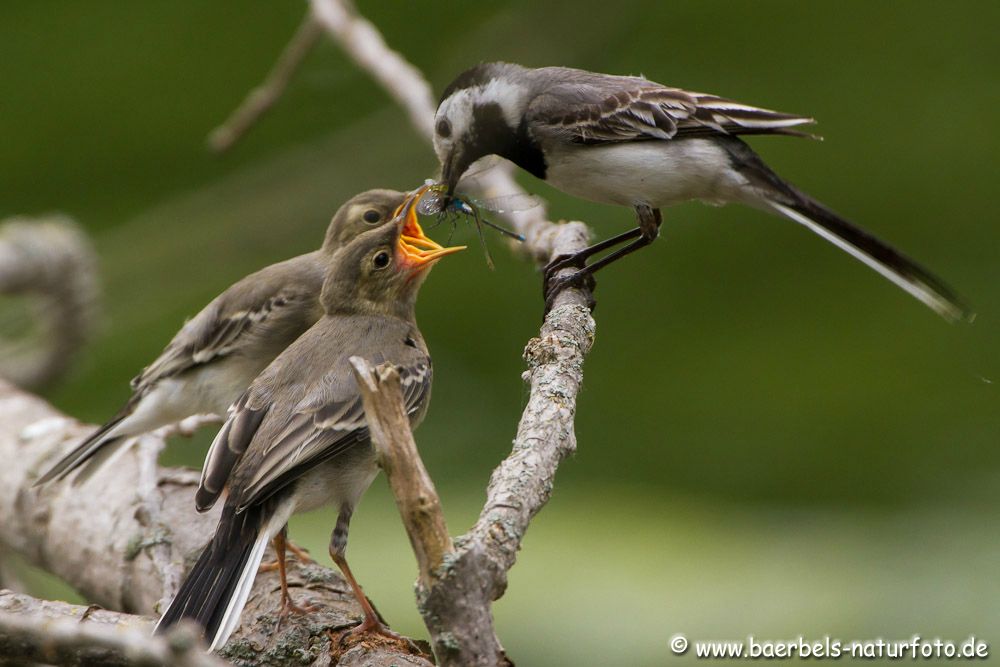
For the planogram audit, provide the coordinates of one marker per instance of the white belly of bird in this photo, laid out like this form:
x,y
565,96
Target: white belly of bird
x,y
655,173
210,389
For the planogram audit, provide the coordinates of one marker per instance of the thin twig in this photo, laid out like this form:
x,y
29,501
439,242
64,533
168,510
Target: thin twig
x,y
267,94
406,84
362,41
455,597
416,497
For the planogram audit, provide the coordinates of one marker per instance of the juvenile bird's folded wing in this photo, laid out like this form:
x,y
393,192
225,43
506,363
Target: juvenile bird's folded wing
x,y
326,423
221,327
229,445
617,109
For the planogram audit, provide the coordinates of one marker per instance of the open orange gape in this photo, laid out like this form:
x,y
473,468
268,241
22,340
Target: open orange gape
x,y
416,249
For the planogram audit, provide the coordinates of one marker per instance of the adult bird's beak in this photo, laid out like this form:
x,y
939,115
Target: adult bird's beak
x,y
416,250
452,171
449,177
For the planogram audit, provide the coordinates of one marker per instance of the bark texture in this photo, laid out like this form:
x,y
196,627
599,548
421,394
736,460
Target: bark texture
x,y
457,585
35,631
125,537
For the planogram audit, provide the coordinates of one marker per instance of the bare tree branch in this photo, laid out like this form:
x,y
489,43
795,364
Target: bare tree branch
x,y
125,536
260,100
458,584
416,497
33,630
406,84
362,41
50,262
101,535
152,530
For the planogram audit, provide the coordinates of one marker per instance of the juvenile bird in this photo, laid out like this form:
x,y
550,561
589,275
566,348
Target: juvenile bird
x,y
297,439
217,353
633,142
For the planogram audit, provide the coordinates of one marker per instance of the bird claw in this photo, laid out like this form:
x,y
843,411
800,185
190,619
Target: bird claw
x,y
288,608
555,285
301,553
376,627
560,262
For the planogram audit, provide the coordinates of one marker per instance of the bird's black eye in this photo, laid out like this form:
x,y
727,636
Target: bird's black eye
x,y
372,216
381,260
443,128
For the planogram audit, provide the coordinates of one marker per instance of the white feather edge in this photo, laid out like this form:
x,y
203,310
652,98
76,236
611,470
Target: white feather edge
x,y
231,617
215,449
918,290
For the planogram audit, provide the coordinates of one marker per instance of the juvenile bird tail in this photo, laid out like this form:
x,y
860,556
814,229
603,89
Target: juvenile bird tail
x,y
217,588
83,452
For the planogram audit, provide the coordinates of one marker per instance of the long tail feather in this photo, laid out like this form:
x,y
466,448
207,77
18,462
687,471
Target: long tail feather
x,y
890,263
769,191
217,588
80,454
104,457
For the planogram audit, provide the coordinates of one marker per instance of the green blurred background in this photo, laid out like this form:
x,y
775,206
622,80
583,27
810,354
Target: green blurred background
x,y
772,439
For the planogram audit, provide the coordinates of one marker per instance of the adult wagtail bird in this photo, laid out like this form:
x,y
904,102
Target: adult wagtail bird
x,y
297,439
633,142
217,354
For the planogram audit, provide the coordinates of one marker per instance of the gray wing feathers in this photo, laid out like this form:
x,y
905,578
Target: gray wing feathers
x,y
416,385
286,423
211,335
320,430
229,445
282,296
600,109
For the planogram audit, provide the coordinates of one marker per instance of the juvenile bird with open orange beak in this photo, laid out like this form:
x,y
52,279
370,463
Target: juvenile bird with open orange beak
x,y
216,355
297,438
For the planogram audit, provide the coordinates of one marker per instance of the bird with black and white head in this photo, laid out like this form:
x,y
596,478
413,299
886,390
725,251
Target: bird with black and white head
x,y
633,142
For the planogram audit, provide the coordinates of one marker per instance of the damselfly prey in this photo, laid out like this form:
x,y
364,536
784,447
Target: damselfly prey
x,y
435,201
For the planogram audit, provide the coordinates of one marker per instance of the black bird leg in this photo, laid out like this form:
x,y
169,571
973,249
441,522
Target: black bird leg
x,y
649,228
578,260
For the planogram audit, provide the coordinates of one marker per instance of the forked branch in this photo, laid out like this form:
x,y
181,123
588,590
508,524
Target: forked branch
x,y
455,598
